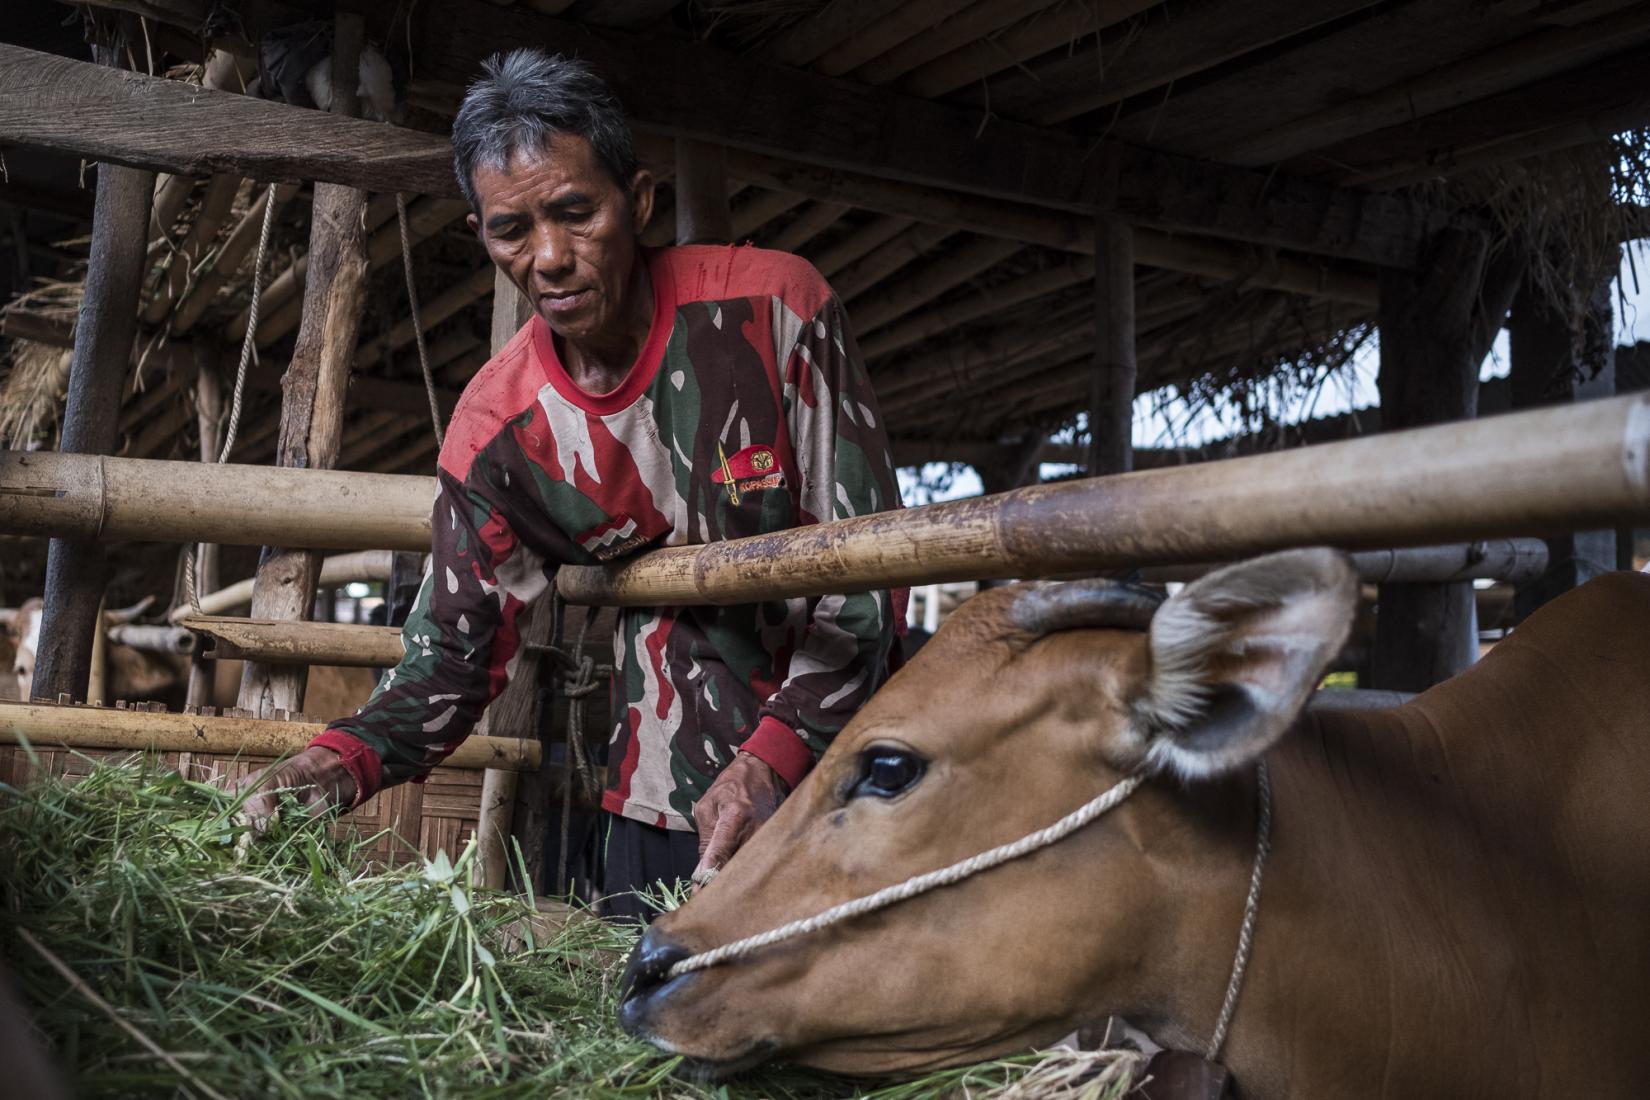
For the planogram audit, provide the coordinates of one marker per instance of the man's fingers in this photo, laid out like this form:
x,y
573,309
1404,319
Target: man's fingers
x,y
724,839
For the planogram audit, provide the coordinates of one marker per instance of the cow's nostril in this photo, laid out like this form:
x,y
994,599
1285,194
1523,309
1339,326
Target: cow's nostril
x,y
649,965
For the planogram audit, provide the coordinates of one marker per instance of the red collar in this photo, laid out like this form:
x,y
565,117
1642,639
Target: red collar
x,y
642,371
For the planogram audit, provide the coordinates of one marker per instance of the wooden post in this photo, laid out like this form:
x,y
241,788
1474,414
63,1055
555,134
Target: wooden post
x,y
702,214
77,572
1436,326
210,413
1111,390
1558,359
518,701
312,407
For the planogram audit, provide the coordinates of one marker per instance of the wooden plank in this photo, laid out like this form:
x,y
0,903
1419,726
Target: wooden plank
x,y
1503,69
1258,94
147,122
1188,40
312,403
1053,229
77,571
693,90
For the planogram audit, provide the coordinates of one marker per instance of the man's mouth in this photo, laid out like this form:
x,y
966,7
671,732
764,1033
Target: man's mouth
x,y
564,301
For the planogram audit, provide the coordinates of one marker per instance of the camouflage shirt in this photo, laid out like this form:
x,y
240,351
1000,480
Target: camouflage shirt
x,y
747,411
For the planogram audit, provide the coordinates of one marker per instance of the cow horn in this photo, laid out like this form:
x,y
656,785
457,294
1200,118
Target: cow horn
x,y
127,614
1075,605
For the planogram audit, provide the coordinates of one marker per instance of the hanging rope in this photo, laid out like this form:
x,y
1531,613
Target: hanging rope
x,y
417,323
248,350
581,677
1054,833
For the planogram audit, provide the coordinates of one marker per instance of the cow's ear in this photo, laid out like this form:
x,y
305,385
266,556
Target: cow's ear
x,y
1236,654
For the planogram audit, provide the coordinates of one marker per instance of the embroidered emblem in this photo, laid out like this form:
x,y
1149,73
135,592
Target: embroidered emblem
x,y
616,537
762,461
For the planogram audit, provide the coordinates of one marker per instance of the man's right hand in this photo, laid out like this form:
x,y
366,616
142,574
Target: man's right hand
x,y
315,777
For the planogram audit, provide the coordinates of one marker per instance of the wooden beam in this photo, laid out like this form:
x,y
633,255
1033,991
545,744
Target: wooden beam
x,y
1183,42
236,247
858,241
1511,66
702,193
1196,256
816,219
48,725
887,258
1553,469
312,404
828,26
933,322
693,90
460,296
971,258
1435,330
975,23
1036,35
1111,391
279,641
759,209
897,23
76,570
147,122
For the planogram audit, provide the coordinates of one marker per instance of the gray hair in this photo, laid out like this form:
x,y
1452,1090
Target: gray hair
x,y
529,97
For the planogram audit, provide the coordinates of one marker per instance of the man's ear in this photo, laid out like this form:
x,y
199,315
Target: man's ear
x,y
642,192
1236,654
474,223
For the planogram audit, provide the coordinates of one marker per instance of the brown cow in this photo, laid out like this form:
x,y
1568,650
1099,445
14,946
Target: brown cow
x,y
1457,902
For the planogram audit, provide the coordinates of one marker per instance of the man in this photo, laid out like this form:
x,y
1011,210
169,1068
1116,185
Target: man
x,y
666,398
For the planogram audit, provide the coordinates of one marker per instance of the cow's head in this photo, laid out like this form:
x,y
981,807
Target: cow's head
x,y
23,631
1029,702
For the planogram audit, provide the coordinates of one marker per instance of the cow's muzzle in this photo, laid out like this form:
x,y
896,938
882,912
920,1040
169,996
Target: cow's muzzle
x,y
646,976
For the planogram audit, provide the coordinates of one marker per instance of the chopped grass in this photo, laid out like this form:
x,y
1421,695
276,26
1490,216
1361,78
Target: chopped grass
x,y
161,955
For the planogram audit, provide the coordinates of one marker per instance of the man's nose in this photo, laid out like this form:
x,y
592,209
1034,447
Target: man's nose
x,y
552,253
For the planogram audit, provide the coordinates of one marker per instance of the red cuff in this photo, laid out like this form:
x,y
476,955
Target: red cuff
x,y
777,745
359,760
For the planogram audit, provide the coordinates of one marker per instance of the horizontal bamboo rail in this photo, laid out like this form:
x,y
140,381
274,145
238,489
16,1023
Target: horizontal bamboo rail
x,y
142,500
290,642
49,725
153,639
1547,471
363,565
1512,560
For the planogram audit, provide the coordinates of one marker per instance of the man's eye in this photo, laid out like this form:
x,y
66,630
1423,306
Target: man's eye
x,y
885,772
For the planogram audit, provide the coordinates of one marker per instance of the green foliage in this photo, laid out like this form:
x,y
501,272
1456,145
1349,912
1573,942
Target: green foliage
x,y
280,969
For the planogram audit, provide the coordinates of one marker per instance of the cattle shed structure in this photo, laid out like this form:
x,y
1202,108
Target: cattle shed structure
x,y
1036,212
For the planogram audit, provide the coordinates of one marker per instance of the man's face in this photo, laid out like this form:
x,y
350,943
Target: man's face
x,y
555,221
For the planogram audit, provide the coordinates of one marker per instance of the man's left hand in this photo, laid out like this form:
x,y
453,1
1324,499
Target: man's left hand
x,y
744,796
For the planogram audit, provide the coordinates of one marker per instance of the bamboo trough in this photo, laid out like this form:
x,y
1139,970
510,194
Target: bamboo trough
x,y
61,725
294,642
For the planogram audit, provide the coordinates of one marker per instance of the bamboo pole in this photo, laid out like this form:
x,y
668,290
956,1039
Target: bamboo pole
x,y
1112,385
363,565
1558,469
47,725
288,642
1510,560
146,500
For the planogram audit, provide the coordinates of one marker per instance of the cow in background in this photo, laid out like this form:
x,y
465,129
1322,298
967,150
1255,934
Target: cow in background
x,y
1454,904
140,676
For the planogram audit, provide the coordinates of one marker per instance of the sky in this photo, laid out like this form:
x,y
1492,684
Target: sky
x,y
1355,389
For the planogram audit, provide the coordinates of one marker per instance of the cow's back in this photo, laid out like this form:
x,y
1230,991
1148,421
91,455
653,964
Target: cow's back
x,y
1540,755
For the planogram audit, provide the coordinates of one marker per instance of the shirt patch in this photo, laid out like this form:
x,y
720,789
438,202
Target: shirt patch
x,y
609,540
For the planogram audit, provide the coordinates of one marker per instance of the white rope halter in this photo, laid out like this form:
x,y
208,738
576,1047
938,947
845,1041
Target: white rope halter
x,y
946,876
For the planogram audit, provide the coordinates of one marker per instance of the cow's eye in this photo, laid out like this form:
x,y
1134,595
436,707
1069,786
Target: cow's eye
x,y
886,772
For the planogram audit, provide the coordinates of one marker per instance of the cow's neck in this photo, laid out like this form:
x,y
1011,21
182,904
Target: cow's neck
x,y
1356,945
